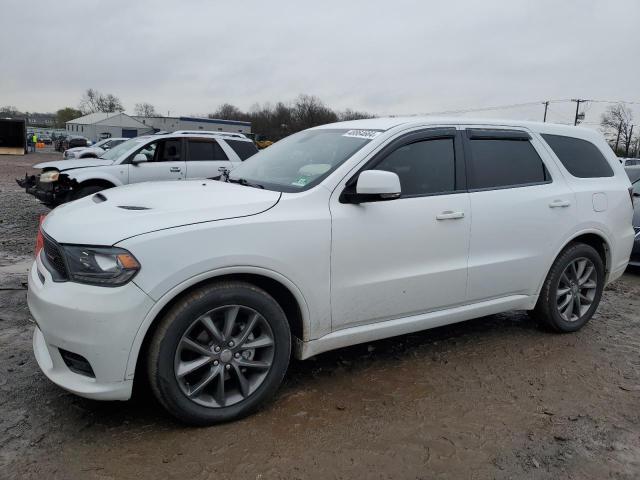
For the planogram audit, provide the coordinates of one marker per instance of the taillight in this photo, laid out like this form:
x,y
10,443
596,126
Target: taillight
x,y
39,237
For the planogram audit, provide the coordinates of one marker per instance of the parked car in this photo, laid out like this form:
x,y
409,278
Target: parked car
x,y
93,151
630,162
337,235
140,159
71,141
635,253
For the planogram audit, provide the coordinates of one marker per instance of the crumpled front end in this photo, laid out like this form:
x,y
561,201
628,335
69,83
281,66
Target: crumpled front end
x,y
50,193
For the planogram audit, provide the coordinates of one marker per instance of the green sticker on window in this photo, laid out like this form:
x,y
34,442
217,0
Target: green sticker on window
x,y
301,181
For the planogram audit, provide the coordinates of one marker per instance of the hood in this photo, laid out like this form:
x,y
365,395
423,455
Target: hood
x,y
63,165
152,206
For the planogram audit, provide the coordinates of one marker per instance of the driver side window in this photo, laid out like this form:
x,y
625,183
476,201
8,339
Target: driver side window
x,y
162,151
425,167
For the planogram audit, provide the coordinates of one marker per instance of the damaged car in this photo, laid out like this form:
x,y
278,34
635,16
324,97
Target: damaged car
x,y
175,156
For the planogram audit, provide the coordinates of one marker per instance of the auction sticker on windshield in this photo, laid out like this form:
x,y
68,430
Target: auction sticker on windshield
x,y
369,134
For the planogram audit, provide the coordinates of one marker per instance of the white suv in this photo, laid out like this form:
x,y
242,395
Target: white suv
x,y
94,150
337,235
175,156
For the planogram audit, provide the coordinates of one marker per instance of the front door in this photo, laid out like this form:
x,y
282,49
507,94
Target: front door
x,y
205,158
164,162
406,256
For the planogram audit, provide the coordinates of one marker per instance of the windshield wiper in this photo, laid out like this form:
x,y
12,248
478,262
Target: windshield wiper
x,y
245,182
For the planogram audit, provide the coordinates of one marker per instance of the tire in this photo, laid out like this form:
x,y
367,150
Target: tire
x,y
171,353
88,190
561,285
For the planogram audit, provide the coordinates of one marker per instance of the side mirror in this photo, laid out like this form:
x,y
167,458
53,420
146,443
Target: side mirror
x,y
373,186
384,184
139,158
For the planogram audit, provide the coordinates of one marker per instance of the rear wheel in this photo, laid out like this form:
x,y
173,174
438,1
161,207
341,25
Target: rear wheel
x,y
572,290
219,353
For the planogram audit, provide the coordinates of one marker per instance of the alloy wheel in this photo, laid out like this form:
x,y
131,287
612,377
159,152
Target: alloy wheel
x,y
224,356
576,289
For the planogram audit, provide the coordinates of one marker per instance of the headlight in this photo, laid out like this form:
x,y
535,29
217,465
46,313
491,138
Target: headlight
x,y
104,266
50,176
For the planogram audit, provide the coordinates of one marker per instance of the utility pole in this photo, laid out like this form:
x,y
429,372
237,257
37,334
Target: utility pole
x,y
546,106
578,102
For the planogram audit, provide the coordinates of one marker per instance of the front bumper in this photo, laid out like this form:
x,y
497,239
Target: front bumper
x,y
50,193
96,323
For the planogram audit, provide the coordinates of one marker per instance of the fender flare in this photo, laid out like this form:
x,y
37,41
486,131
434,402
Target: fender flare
x,y
571,238
168,296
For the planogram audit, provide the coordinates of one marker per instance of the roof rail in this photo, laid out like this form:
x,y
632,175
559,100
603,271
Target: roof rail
x,y
208,132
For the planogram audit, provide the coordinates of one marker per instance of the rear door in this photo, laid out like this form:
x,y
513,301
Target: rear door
x,y
521,207
165,161
205,158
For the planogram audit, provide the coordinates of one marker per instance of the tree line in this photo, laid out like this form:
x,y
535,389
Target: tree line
x,y
269,120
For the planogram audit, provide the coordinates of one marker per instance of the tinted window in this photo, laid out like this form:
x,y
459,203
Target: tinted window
x,y
243,149
162,151
499,163
424,167
202,150
581,158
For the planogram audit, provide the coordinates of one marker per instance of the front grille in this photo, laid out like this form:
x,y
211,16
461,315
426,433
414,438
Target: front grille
x,y
54,258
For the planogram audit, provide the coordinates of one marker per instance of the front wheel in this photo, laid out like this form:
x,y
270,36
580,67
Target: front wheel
x,y
88,190
219,353
572,290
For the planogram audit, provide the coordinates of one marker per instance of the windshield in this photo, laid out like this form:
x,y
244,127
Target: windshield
x,y
301,161
101,142
115,153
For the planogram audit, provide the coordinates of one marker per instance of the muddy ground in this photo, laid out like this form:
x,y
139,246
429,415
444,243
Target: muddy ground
x,y
496,397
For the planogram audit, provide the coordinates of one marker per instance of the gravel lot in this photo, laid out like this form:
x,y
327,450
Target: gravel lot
x,y
496,397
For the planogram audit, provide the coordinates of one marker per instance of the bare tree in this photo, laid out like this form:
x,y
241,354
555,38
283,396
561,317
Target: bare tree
x,y
617,125
145,110
9,111
349,114
93,101
226,111
309,111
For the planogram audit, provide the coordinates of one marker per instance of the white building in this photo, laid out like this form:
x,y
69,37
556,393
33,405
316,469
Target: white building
x,y
171,124
96,126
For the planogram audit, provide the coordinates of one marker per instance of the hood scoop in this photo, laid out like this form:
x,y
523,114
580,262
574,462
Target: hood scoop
x,y
133,207
99,198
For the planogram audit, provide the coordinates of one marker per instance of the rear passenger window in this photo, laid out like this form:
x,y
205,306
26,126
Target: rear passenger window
x,y
205,150
425,168
243,149
580,157
501,163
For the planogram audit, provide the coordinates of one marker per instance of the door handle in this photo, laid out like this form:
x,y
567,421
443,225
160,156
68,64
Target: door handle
x,y
449,215
559,204
174,169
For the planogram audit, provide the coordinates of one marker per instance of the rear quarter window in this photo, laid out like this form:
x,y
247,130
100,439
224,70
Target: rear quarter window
x,y
243,149
581,158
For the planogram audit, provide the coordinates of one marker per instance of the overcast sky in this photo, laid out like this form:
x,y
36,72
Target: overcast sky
x,y
385,57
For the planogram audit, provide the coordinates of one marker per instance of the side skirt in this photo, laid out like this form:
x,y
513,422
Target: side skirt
x,y
400,326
